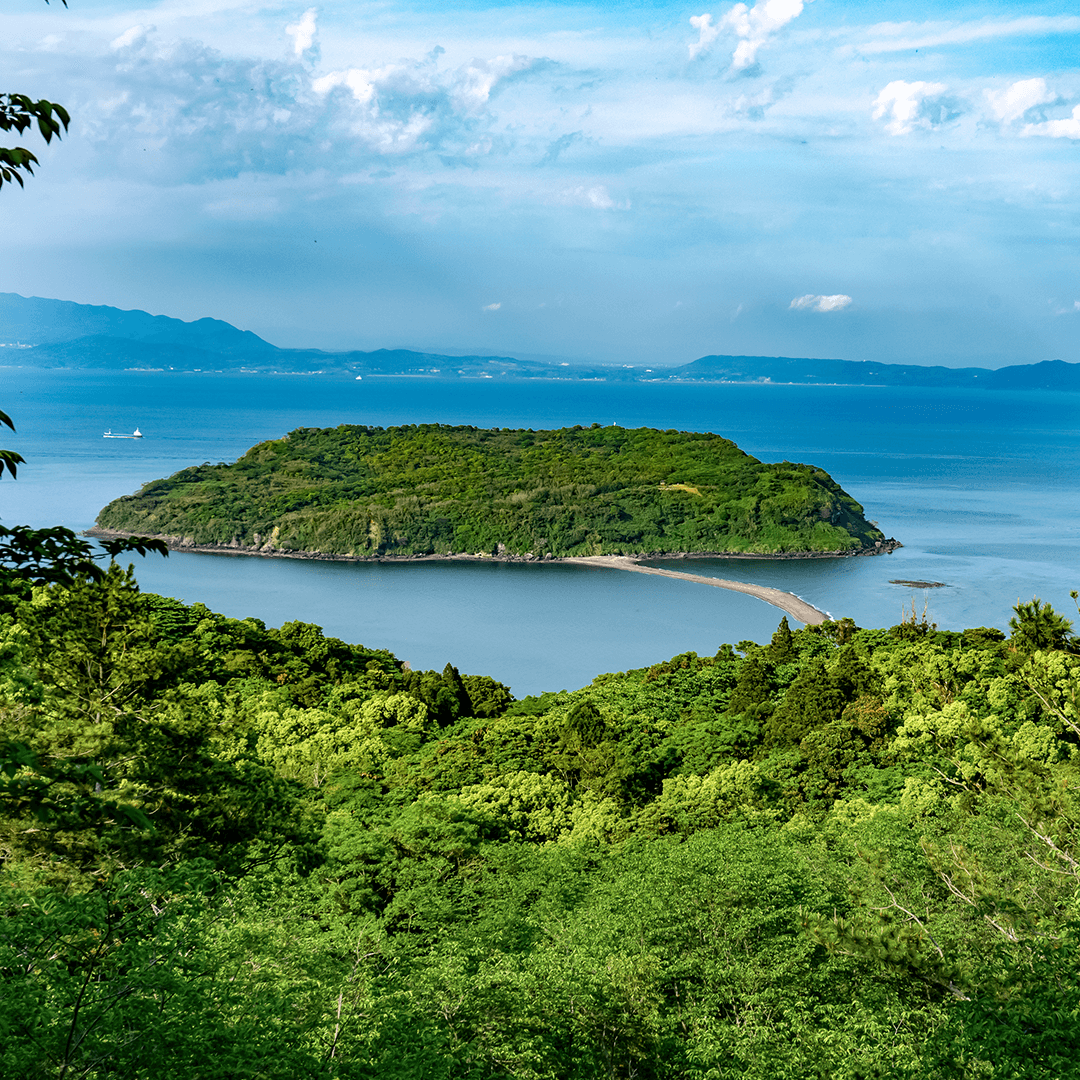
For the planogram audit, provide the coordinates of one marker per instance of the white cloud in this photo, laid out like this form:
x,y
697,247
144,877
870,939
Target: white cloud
x,y
178,110
756,25
1011,103
1057,129
187,113
132,36
910,105
596,197
708,32
358,80
476,82
753,106
470,86
906,37
810,302
303,32
491,307
398,106
753,25
413,105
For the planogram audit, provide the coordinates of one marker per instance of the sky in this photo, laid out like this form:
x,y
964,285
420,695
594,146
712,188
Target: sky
x,y
640,183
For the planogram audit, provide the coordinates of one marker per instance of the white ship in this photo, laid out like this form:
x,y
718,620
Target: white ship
x,y
136,434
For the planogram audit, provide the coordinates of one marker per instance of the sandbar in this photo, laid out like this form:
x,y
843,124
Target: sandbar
x,y
796,607
789,602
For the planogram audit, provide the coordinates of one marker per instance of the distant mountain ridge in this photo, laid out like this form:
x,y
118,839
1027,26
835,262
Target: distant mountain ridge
x,y
39,322
1047,374
37,332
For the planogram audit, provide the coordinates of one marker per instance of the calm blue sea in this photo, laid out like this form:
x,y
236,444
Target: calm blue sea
x,y
982,487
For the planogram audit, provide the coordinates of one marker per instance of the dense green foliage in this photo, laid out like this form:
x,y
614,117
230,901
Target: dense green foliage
x,y
228,850
19,113
434,489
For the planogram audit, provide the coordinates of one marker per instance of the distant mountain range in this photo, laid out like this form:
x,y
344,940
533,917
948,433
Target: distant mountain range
x,y
35,332
1046,375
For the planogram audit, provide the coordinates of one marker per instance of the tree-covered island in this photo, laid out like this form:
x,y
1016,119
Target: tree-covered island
x,y
431,489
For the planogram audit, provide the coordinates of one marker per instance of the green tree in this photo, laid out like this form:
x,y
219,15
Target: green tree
x,y
109,723
1038,626
812,701
782,647
18,113
487,697
753,687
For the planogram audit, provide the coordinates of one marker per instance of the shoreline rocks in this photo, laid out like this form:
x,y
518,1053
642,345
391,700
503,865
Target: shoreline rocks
x,y
267,550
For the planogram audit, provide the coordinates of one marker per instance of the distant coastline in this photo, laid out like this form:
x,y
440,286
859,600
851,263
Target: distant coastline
x,y
1056,375
616,377
60,335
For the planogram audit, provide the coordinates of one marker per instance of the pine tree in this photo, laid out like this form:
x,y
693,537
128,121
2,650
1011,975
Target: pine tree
x,y
782,647
1038,626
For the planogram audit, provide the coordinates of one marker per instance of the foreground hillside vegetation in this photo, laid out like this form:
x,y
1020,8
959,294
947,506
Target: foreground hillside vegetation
x,y
229,850
433,489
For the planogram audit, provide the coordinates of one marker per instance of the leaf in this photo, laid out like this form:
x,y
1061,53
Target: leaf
x,y
17,113
8,457
143,545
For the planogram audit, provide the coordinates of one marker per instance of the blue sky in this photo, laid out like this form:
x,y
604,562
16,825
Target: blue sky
x,y
629,183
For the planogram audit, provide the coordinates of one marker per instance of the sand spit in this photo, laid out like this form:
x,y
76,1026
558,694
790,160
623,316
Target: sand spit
x,y
789,602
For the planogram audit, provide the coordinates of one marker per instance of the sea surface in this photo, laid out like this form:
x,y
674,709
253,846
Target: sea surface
x,y
982,487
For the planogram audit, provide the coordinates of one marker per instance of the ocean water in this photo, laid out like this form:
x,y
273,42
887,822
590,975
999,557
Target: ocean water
x,y
982,488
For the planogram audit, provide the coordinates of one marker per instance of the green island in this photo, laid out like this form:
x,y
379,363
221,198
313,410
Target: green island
x,y
436,490
234,850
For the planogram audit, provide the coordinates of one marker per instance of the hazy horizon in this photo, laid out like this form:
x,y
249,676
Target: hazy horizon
x,y
557,359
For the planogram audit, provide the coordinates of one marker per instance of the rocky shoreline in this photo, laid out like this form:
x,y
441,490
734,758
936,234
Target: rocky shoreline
x,y
185,544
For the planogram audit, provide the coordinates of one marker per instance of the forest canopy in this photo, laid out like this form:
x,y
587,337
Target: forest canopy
x,y
234,850
434,489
